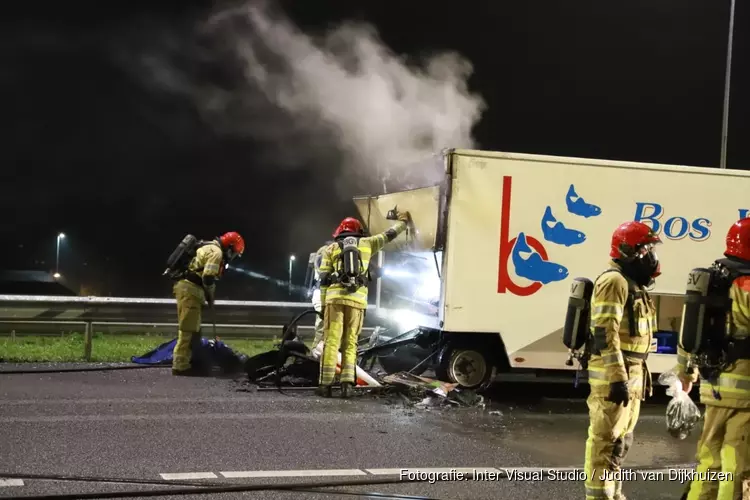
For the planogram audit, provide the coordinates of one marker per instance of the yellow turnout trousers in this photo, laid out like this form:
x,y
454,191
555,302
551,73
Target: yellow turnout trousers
x,y
610,437
723,447
190,300
723,451
342,325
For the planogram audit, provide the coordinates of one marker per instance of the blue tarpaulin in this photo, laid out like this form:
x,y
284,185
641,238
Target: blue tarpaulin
x,y
162,355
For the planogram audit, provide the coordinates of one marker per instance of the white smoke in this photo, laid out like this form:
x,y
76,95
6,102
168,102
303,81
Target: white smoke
x,y
382,118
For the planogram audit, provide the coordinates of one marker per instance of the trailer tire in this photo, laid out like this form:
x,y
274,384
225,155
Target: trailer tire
x,y
465,366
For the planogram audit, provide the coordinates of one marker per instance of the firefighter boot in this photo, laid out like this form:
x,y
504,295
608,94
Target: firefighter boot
x,y
346,390
324,391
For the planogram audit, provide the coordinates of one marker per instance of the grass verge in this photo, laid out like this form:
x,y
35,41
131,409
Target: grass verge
x,y
105,348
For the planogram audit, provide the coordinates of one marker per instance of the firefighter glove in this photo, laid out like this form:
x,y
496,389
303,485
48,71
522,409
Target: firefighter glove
x,y
618,393
404,216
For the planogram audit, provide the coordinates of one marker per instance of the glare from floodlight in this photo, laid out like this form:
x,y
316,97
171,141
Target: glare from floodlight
x,y
61,235
292,257
56,276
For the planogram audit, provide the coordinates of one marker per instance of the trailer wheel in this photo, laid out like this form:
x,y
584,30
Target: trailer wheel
x,y
466,367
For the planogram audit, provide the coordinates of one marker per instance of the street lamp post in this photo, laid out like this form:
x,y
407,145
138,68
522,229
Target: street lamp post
x,y
291,263
727,85
57,259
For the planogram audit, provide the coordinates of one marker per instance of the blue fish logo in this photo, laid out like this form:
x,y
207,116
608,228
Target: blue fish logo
x,y
578,206
533,267
556,232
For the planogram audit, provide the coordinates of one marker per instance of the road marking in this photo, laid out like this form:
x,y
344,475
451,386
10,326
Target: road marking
x,y
466,471
189,475
293,473
11,482
463,470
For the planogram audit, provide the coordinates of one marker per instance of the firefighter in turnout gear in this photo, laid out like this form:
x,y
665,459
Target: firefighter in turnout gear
x,y
196,287
343,293
623,321
317,343
724,445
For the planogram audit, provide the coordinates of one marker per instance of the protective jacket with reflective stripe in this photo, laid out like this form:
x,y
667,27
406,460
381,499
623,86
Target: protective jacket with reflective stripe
x,y
336,293
206,264
733,385
616,355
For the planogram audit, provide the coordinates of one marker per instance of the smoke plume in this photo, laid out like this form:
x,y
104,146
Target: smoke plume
x,y
343,102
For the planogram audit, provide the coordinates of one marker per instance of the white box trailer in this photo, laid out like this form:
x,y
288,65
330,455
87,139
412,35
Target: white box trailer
x,y
511,231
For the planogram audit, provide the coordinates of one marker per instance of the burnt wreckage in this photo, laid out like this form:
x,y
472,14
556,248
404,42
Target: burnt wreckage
x,y
397,343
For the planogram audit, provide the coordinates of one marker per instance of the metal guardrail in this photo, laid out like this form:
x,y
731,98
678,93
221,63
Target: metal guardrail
x,y
141,310
122,311
52,328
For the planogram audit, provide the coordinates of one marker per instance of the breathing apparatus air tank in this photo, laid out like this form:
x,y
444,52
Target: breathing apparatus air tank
x,y
577,318
695,331
181,256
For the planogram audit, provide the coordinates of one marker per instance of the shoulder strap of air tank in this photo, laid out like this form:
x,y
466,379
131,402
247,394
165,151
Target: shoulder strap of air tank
x,y
337,259
205,243
630,303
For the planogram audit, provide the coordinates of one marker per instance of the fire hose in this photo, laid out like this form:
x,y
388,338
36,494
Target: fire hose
x,y
192,488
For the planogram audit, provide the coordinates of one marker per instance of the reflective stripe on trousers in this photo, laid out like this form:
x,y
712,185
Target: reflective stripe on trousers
x,y
610,436
723,447
612,359
342,327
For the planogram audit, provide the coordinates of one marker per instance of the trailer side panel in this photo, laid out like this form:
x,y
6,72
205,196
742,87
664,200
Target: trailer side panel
x,y
521,228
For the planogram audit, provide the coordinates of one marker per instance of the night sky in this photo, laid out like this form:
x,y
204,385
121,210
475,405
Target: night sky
x,y
114,135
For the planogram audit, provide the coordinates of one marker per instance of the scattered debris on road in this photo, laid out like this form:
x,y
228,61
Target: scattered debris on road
x,y
291,364
423,383
431,393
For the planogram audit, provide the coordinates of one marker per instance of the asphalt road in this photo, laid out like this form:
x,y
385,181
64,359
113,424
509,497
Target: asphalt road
x,y
148,425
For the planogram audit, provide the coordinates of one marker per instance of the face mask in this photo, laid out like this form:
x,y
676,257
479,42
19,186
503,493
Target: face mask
x,y
644,267
230,254
651,263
